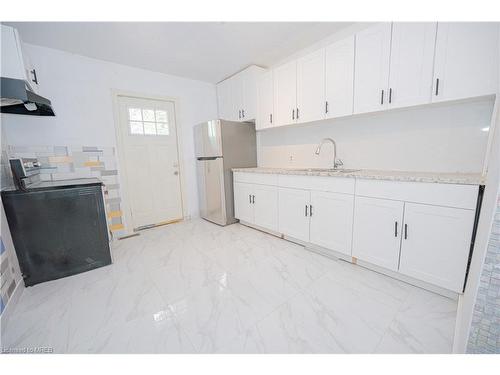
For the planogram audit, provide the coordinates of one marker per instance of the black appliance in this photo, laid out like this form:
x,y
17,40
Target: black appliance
x,y
17,98
58,227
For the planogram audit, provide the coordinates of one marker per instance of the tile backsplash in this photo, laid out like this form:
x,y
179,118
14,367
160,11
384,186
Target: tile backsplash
x,y
70,162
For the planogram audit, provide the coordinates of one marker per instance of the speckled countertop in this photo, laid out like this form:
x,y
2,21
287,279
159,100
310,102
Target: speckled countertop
x,y
373,174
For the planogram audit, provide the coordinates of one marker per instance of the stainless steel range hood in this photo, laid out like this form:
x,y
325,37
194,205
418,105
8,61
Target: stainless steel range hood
x,y
17,99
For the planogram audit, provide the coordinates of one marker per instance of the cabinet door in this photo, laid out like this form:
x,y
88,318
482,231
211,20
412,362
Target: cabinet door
x,y
285,93
377,231
265,101
436,243
467,60
243,207
224,100
249,78
293,219
311,87
412,63
339,77
331,220
266,206
371,79
236,83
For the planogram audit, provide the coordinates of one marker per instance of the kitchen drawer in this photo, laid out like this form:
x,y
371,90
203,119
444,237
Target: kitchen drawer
x,y
450,195
330,184
256,178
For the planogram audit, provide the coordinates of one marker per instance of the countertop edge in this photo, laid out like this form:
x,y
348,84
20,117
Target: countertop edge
x,y
376,175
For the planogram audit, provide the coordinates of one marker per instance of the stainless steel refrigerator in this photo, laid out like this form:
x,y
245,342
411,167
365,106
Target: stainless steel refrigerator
x,y
220,146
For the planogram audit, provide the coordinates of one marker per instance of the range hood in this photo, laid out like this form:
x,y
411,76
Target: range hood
x,y
17,99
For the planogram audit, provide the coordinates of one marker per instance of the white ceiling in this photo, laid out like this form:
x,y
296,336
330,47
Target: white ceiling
x,y
207,51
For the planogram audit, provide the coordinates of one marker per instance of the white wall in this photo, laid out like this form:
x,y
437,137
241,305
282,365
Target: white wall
x,y
80,89
437,138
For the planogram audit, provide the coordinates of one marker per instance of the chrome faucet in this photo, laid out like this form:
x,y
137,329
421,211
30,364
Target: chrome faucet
x,y
336,162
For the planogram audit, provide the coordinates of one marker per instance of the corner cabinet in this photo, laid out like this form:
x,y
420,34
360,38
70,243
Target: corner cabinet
x,y
237,95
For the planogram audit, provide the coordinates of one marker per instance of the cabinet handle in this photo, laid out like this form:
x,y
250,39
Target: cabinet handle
x,y
297,113
310,210
406,231
437,86
270,118
250,198
382,98
239,114
243,113
390,95
35,79
395,229
293,114
253,199
306,209
326,107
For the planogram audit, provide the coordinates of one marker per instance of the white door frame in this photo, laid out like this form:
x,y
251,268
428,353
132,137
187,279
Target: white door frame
x,y
122,172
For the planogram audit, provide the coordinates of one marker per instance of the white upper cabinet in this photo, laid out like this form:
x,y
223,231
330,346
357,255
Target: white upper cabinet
x,y
311,87
15,62
224,100
412,62
265,101
285,93
237,95
436,243
339,78
467,60
371,80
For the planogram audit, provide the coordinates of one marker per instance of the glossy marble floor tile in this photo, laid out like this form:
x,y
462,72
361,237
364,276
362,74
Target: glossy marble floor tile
x,y
195,287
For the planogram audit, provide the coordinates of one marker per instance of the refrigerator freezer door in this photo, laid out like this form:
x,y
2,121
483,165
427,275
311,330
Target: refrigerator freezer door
x,y
207,139
211,192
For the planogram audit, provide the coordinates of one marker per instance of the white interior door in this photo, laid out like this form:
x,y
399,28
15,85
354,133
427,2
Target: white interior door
x,y
371,79
412,63
466,60
339,77
311,87
150,157
285,93
436,243
377,231
331,220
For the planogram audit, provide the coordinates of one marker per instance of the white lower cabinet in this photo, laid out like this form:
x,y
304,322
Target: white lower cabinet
x,y
243,208
420,230
256,204
377,231
331,221
293,213
436,243
265,202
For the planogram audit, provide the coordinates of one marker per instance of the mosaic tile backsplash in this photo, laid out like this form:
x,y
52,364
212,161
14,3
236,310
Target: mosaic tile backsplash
x,y
485,330
68,162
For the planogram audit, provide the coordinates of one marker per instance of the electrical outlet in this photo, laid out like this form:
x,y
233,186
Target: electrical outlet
x,y
290,159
